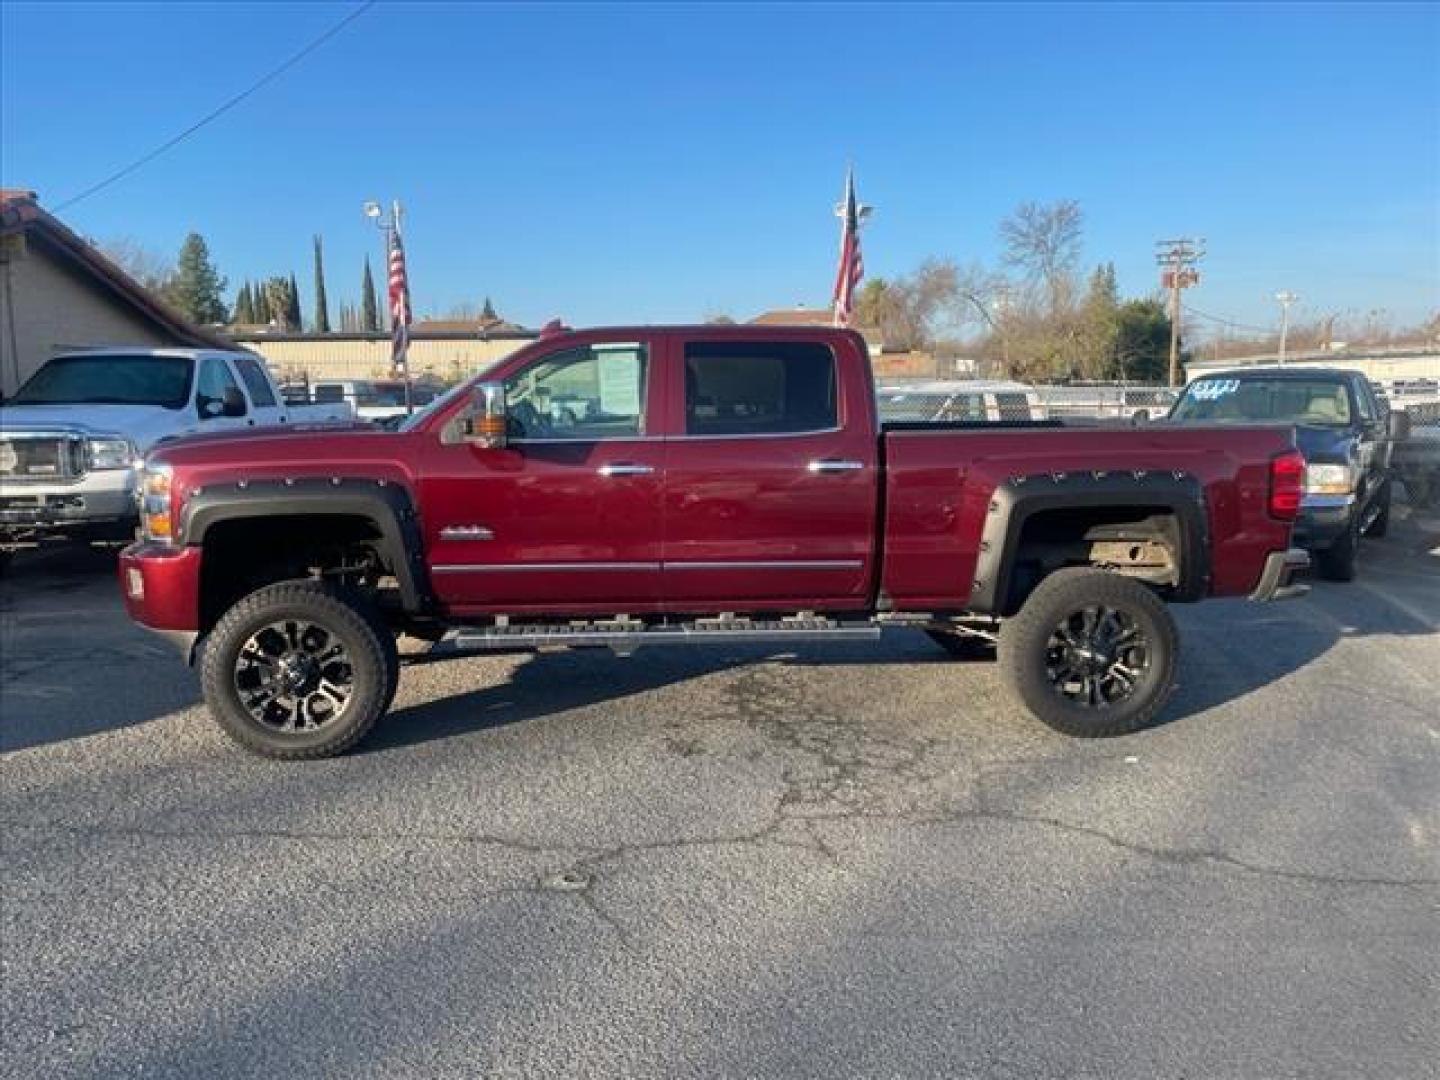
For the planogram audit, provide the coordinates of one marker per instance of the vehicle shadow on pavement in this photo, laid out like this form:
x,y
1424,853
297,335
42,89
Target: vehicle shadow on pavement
x,y
71,663
553,682
1232,648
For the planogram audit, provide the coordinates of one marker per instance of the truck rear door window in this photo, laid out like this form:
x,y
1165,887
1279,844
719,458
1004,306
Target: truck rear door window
x,y
255,381
759,388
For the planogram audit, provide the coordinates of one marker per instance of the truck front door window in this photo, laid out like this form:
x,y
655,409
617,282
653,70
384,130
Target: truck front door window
x,y
758,388
215,382
593,392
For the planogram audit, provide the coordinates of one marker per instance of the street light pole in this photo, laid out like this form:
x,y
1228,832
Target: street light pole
x,y
1286,298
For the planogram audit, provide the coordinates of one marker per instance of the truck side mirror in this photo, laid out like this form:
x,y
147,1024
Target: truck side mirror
x,y
489,421
1398,423
233,402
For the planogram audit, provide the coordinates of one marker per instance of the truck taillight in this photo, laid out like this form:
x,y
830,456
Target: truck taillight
x,y
1287,484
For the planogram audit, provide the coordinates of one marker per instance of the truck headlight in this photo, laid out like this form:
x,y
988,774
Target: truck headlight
x,y
1329,479
156,520
110,453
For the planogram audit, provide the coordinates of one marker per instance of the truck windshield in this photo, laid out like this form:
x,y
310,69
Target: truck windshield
x,y
1317,402
419,416
109,379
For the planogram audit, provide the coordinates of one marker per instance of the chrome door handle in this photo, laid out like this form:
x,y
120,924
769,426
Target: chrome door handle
x,y
625,468
829,465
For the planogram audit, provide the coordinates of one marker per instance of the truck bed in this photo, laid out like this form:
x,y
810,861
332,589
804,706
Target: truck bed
x,y
944,484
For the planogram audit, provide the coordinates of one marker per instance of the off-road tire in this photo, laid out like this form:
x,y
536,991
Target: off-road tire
x,y
371,650
1337,562
1381,525
1026,638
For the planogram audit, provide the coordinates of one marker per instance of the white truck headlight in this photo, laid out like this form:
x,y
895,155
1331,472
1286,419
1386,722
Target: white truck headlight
x,y
110,453
1329,479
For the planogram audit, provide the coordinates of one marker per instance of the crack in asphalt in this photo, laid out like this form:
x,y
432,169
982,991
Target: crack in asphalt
x,y
842,771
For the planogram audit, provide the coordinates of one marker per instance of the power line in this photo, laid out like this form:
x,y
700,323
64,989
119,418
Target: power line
x,y
220,111
1228,322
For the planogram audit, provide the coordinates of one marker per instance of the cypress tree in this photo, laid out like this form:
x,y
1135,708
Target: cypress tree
x,y
292,311
488,313
242,312
369,308
277,301
260,303
322,313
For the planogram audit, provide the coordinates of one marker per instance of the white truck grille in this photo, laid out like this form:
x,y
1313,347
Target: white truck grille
x,y
41,458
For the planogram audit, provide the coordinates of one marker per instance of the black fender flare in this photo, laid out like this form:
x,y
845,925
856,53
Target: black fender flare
x,y
1018,498
385,504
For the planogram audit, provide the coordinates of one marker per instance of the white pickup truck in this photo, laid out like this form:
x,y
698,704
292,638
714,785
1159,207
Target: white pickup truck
x,y
71,436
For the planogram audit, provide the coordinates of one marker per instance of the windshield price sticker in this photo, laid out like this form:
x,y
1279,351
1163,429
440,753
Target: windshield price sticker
x,y
1210,389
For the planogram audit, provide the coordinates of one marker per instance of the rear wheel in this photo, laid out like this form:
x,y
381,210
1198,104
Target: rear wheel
x,y
299,670
1091,653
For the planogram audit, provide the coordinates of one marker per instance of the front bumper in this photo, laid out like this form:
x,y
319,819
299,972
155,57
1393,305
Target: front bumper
x,y
1323,520
161,587
1277,579
99,502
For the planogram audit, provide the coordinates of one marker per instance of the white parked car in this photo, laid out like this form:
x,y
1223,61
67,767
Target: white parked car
x,y
71,436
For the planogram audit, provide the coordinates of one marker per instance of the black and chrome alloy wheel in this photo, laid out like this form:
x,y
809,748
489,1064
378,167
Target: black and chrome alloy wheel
x,y
1097,656
294,675
299,669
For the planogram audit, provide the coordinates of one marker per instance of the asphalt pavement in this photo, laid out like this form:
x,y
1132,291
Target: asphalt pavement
x,y
838,862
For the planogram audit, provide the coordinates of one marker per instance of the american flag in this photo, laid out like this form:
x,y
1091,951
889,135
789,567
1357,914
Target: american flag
x,y
852,265
399,302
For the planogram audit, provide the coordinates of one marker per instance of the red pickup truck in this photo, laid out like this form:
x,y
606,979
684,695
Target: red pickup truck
x,y
696,485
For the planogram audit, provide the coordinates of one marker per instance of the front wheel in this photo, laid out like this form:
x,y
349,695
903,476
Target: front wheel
x,y
1337,562
1091,653
298,670
1380,525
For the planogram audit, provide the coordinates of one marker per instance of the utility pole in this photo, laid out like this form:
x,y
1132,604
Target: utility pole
x,y
1177,259
1286,298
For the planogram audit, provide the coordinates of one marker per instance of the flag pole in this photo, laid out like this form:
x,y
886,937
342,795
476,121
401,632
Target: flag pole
x,y
396,213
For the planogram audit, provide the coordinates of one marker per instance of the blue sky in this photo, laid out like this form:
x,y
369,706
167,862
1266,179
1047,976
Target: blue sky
x,y
661,162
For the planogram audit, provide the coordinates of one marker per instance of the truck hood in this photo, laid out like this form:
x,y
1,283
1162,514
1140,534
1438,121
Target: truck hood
x,y
292,450
142,424
286,436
